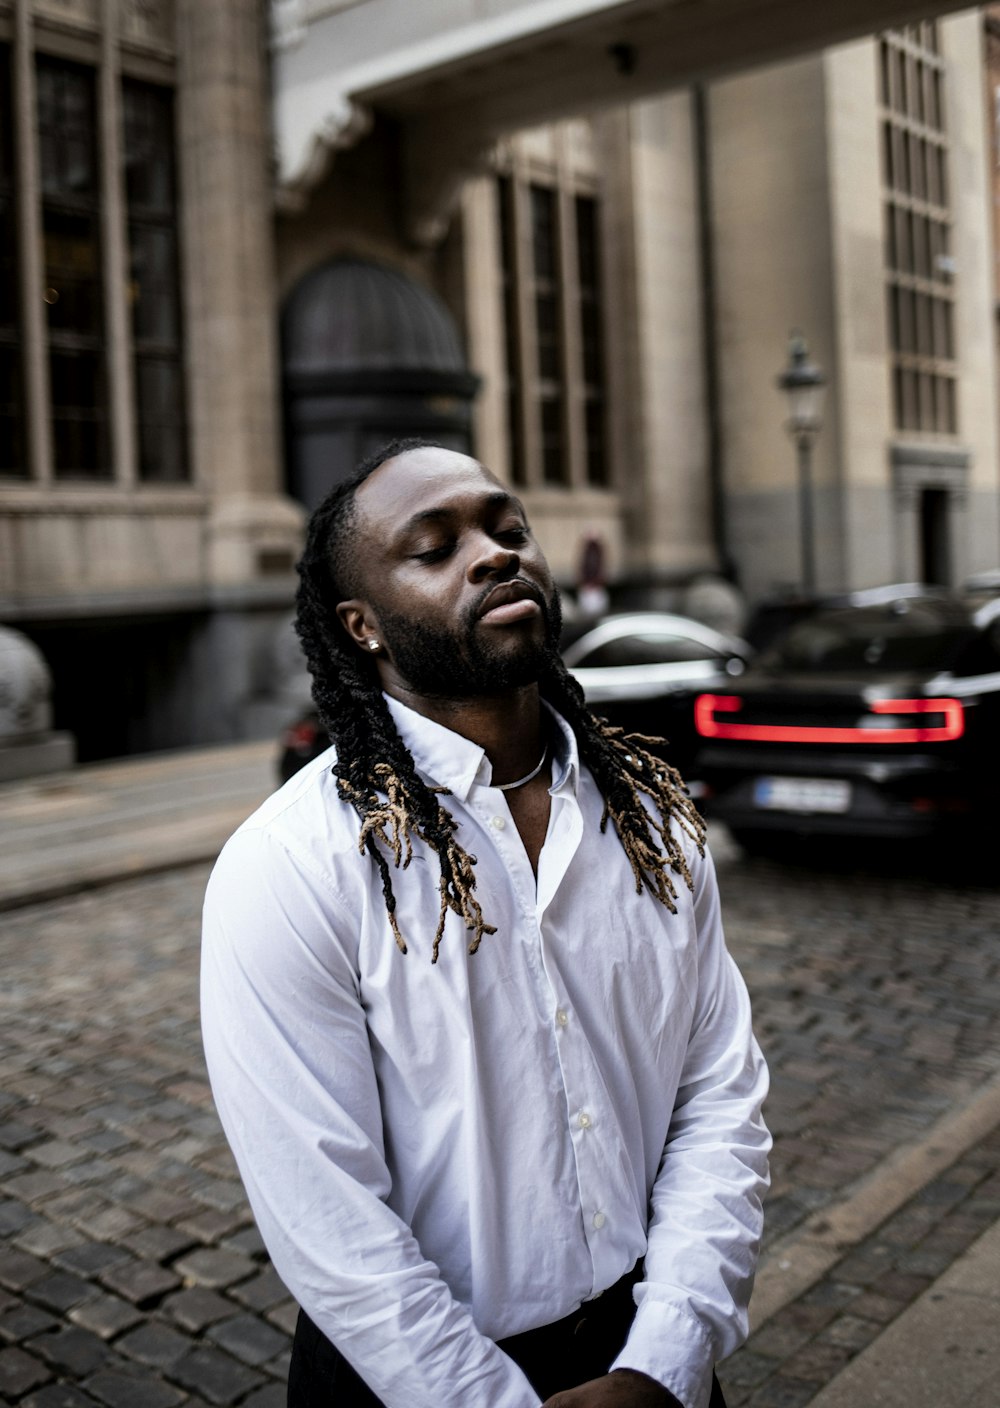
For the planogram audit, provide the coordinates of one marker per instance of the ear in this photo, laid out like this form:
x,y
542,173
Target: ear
x,y
358,620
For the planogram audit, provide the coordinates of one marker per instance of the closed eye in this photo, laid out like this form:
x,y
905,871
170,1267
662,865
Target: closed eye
x,y
437,554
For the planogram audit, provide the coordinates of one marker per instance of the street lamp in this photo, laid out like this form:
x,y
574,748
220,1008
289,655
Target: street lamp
x,y
803,383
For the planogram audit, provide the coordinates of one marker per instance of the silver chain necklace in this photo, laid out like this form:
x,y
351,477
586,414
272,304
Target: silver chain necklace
x,y
509,786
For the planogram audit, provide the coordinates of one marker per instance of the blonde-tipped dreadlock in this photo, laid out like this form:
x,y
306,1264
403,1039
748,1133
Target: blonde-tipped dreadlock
x,y
662,784
376,774
457,876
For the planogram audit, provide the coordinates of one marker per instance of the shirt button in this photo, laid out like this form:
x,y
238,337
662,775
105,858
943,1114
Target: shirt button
x,y
583,1120
561,1017
498,822
599,1220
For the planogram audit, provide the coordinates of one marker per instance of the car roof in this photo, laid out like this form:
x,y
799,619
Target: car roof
x,y
665,622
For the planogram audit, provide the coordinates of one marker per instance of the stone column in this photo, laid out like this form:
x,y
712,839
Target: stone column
x,y
231,314
673,524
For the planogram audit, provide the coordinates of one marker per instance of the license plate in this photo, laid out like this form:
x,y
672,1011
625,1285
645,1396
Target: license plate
x,y
802,794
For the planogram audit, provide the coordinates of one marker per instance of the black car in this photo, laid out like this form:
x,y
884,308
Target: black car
x,y
641,670
878,720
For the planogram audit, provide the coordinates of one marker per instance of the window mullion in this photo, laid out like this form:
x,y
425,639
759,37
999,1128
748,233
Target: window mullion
x,y
115,255
572,342
526,333
35,360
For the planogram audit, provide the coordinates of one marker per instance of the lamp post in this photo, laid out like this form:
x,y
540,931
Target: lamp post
x,y
803,383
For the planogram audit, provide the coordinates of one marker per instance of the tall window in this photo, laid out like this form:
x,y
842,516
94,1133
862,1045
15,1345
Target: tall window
x,y
154,284
12,447
919,265
547,305
103,164
71,219
550,267
589,287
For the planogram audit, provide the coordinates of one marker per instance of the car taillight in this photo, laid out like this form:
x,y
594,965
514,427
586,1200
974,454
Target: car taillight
x,y
300,736
948,716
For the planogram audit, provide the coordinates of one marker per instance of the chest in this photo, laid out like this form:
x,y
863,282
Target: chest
x,y
530,811
577,937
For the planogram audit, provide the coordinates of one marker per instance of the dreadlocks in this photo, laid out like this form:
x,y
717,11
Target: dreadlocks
x,y
376,773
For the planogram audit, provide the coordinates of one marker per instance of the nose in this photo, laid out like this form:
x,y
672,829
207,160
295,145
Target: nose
x,y
491,558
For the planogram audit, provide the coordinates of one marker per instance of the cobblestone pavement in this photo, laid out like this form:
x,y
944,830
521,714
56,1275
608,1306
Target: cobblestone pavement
x,y
787,1361
132,1276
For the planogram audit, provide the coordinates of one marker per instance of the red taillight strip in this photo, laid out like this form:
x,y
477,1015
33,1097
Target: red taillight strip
x,y
953,726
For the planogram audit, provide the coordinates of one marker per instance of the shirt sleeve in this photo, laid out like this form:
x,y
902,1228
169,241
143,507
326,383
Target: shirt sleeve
x,y
291,1070
705,1207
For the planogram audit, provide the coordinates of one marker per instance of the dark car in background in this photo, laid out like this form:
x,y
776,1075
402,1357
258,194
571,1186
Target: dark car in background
x,y
876,720
640,670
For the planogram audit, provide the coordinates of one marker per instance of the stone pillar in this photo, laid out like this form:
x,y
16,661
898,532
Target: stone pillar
x,y
226,184
672,525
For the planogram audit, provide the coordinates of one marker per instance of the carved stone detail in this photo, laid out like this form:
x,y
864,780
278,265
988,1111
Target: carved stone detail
x,y
340,129
288,24
74,12
148,22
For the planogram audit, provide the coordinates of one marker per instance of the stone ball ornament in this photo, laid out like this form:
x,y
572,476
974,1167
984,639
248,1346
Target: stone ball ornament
x,y
25,688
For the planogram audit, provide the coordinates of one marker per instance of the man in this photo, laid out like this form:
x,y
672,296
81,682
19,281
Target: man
x,y
474,1036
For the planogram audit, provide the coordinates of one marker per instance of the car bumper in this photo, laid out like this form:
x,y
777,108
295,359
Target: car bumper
x,y
840,796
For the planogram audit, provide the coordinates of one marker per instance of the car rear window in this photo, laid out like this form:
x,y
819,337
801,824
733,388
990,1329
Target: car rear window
x,y
903,636
647,648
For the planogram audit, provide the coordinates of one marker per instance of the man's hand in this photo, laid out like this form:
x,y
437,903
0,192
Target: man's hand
x,y
622,1388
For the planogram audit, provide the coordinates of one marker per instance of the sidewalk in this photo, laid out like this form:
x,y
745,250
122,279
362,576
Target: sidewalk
x,y
893,1298
102,822
888,1296
944,1351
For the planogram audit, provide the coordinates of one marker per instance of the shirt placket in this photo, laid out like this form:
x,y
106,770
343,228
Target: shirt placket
x,y
589,1122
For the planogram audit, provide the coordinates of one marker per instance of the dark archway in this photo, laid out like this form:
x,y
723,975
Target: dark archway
x,y
367,355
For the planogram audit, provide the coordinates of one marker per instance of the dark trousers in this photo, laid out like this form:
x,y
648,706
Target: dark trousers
x,y
559,1356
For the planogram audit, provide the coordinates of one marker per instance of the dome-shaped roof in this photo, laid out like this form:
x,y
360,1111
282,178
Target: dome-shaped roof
x,y
351,315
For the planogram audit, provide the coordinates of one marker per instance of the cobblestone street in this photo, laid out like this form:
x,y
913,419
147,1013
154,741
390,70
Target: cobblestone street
x,y
132,1276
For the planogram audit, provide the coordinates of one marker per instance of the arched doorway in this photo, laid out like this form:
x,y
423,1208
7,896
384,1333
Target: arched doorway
x,y
367,356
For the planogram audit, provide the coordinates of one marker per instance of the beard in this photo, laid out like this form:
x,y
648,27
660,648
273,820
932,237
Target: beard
x,y
468,661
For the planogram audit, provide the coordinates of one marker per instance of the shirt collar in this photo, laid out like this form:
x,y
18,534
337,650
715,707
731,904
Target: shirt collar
x,y
449,760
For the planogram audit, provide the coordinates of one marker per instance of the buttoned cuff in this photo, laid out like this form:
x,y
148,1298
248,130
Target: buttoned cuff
x,y
669,1346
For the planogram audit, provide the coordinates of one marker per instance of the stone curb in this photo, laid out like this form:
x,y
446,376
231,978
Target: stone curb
x,y
104,823
957,1315
174,856
796,1263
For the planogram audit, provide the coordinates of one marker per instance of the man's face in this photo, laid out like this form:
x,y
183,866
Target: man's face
x,y
453,585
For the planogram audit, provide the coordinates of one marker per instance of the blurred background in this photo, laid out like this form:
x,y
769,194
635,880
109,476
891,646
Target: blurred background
x,y
713,284
616,250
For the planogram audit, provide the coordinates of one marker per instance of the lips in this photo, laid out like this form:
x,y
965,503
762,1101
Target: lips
x,y
509,602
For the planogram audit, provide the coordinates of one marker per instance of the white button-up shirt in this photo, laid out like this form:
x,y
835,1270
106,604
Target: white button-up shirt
x,y
442,1156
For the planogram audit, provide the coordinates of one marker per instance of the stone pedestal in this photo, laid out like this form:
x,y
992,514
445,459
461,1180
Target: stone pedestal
x,y
27,742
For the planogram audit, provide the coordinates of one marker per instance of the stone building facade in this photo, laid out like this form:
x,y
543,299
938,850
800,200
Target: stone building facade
x,y
146,543
193,333
852,197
